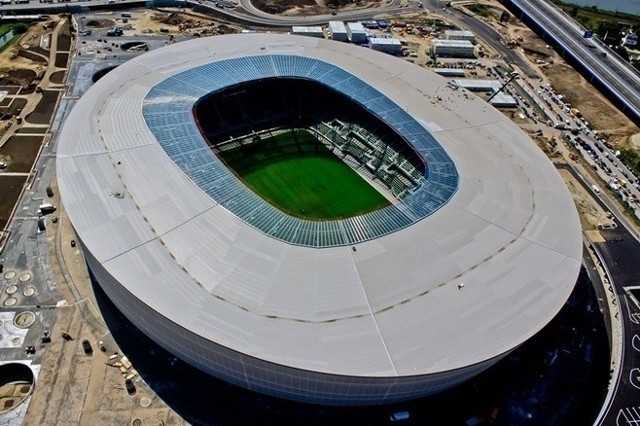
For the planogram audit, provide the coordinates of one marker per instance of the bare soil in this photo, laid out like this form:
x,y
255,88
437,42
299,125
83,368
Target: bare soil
x,y
590,212
15,107
99,23
43,112
61,60
596,109
32,56
179,23
11,90
64,42
57,77
17,77
308,7
19,152
10,188
37,130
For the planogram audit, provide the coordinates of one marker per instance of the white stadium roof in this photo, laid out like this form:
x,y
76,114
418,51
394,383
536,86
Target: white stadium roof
x,y
393,306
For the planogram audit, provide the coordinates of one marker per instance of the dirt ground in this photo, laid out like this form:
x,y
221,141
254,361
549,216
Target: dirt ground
x,y
19,152
311,7
595,108
591,214
57,77
10,187
14,106
158,22
11,60
45,108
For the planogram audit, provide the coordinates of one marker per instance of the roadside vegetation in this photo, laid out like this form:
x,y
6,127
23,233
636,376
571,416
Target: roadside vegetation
x,y
632,159
18,28
610,27
598,20
482,10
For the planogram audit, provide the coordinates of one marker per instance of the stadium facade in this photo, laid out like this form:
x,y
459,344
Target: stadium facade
x,y
474,259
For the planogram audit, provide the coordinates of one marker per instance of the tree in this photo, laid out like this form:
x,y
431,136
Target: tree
x,y
20,28
574,12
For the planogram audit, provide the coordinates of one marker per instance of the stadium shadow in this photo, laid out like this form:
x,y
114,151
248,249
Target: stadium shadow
x,y
558,377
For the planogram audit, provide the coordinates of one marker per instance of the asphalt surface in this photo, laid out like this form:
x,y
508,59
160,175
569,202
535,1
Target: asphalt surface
x,y
621,255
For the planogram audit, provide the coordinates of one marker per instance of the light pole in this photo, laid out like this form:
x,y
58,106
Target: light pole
x,y
512,76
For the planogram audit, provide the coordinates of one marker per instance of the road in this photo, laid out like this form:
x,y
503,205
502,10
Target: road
x,y
620,253
613,75
36,7
245,13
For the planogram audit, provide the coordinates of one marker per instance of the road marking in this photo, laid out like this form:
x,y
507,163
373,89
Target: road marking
x,y
628,416
634,377
635,342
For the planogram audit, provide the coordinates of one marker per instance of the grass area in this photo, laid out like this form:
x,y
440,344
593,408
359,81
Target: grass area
x,y
303,178
10,42
594,18
18,28
482,10
5,28
632,159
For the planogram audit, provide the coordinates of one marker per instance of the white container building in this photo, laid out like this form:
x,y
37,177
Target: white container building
x,y
387,45
453,48
338,31
460,35
356,32
308,31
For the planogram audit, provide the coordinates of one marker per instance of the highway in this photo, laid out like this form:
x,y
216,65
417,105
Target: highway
x,y
611,75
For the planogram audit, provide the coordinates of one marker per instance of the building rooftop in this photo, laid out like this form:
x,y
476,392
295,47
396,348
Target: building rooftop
x,y
337,26
306,29
478,84
356,27
390,41
452,43
459,33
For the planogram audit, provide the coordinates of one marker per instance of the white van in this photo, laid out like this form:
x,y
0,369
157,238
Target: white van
x,y
47,208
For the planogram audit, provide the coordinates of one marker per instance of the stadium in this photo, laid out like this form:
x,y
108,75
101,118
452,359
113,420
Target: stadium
x,y
314,220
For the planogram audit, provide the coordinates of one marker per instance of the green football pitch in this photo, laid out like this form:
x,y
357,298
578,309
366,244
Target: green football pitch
x,y
315,185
